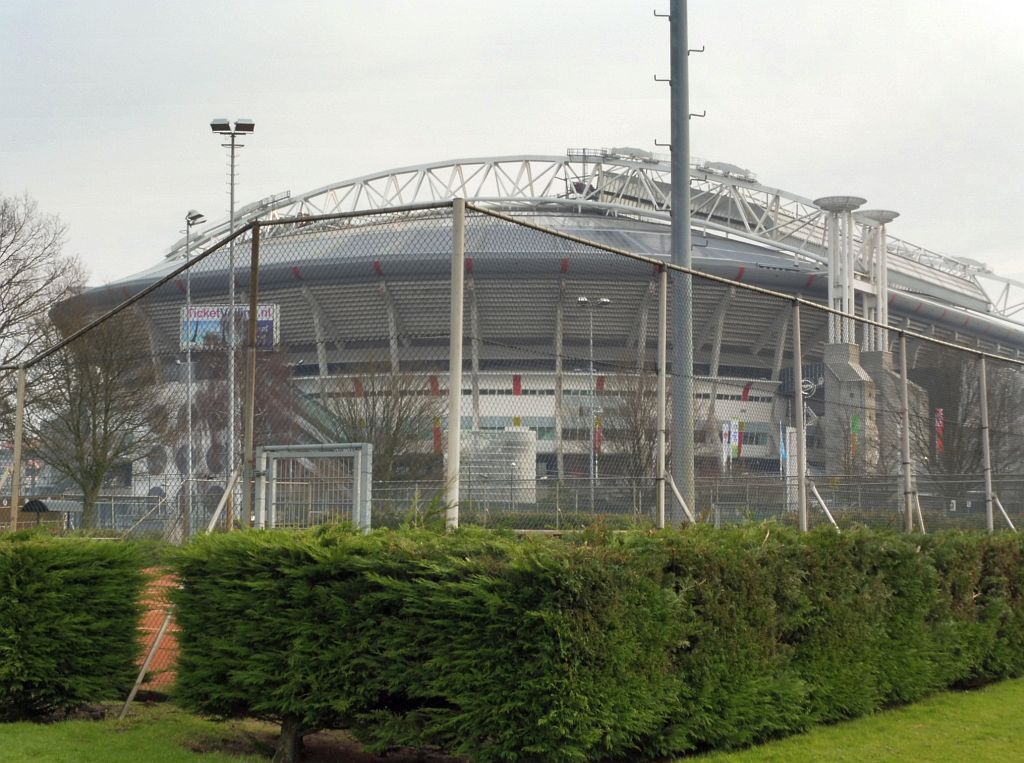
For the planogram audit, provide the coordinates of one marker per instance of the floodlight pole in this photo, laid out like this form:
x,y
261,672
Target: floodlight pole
x,y
223,127
682,292
192,217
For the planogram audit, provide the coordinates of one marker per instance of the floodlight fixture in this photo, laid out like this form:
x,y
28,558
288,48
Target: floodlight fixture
x,y
220,125
244,125
194,217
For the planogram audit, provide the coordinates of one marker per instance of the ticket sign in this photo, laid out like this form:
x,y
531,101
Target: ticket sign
x,y
208,327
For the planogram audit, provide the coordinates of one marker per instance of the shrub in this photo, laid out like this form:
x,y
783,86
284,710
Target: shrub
x,y
69,613
476,642
603,645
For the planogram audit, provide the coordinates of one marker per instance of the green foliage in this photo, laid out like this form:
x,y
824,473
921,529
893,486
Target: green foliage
x,y
69,613
602,645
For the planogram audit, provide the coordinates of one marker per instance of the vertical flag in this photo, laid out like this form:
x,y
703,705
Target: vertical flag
x,y
783,453
940,431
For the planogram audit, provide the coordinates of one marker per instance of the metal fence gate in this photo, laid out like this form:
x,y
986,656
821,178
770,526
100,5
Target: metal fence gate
x,y
306,485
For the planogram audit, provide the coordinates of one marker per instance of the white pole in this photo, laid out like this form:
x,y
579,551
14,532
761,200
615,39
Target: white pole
x,y
851,305
451,519
662,347
187,525
908,479
801,427
986,452
19,429
833,275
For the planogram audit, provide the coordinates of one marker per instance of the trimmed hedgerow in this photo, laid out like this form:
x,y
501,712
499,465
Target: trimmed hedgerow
x,y
477,643
630,646
69,615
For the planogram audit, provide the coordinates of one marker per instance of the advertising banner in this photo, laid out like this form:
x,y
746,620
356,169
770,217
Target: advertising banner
x,y
207,327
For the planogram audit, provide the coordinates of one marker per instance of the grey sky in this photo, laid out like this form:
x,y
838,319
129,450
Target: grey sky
x,y
105,104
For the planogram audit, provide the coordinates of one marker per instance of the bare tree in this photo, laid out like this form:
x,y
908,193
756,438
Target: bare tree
x,y
630,432
34,274
395,411
953,385
97,406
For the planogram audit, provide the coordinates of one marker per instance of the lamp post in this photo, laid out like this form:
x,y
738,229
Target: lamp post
x,y
224,128
192,217
589,305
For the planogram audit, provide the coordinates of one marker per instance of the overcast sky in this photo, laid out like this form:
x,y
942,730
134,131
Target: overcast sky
x,y
917,105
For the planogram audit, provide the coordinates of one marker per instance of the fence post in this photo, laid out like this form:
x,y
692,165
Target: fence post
x,y
801,425
986,453
19,431
451,514
250,377
908,479
662,345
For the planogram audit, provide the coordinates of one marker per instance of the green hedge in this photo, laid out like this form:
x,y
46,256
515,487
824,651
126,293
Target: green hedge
x,y
631,646
69,616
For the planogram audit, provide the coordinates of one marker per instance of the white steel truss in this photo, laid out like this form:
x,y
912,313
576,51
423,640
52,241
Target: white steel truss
x,y
625,182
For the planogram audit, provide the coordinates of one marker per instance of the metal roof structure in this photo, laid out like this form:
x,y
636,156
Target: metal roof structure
x,y
743,231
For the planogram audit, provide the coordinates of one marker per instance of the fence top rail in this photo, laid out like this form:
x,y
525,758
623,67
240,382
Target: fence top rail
x,y
792,299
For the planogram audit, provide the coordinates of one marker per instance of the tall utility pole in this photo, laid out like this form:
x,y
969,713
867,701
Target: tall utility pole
x,y
225,128
682,286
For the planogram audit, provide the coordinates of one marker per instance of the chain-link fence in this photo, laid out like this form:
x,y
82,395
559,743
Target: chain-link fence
x,y
144,416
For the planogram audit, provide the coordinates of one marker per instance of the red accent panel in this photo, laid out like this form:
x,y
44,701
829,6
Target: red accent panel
x,y
599,384
296,273
810,281
378,268
739,275
517,385
746,391
358,385
565,264
180,284
435,387
469,264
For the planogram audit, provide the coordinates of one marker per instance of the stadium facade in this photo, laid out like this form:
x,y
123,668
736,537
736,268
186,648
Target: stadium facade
x,y
347,295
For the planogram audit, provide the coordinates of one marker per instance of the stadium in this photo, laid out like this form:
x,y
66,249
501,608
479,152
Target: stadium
x,y
358,285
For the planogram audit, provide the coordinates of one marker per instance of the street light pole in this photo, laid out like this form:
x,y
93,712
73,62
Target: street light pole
x,y
192,217
225,128
585,302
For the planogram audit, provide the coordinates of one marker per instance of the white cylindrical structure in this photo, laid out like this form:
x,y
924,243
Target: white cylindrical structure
x,y
451,517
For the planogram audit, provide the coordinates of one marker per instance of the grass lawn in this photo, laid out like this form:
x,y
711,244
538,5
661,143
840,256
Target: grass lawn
x,y
153,732
983,726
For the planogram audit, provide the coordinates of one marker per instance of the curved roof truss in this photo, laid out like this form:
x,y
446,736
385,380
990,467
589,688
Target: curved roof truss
x,y
634,185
